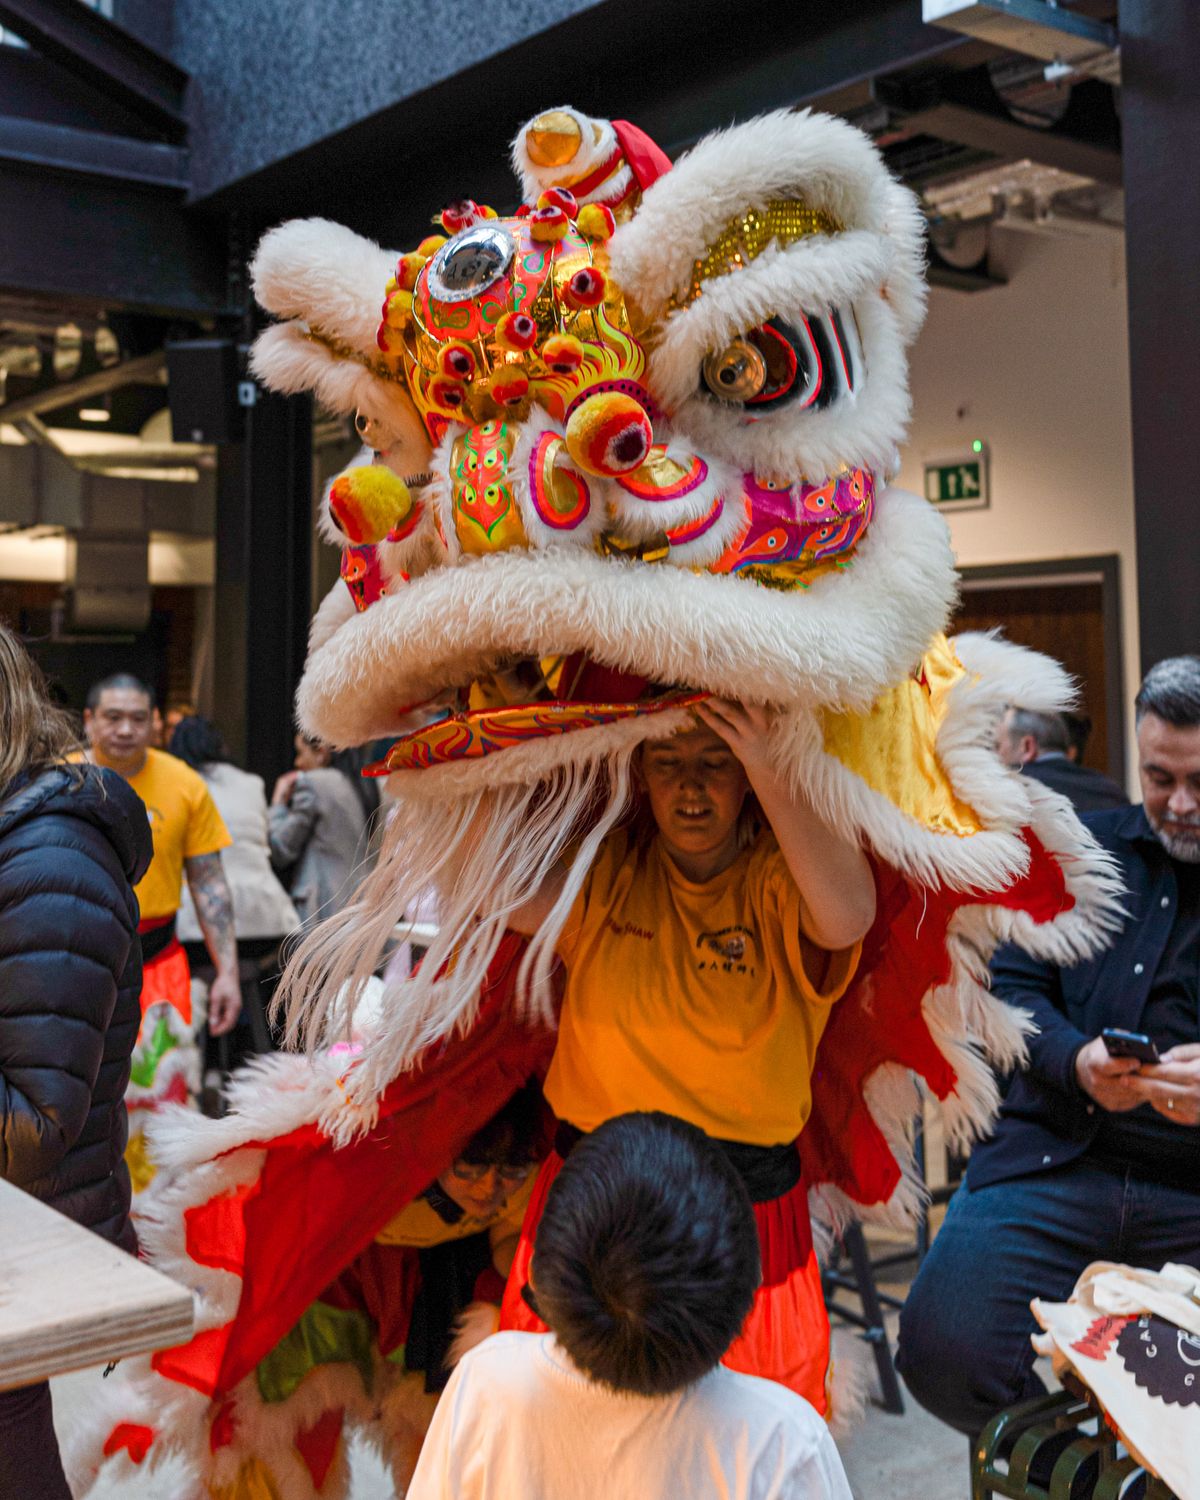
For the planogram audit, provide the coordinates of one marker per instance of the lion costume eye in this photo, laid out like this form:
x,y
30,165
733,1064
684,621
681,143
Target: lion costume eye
x,y
814,362
738,372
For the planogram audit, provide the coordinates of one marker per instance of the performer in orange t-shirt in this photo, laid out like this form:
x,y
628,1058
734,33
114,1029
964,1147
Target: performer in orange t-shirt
x,y
704,953
188,836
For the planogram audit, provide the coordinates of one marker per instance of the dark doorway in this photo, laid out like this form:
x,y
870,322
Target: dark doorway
x,y
161,654
1070,610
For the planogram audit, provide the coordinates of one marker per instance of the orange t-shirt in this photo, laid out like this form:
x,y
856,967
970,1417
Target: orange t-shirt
x,y
184,822
704,1000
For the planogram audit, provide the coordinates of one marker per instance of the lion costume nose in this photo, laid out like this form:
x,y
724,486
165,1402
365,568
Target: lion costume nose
x,y
609,434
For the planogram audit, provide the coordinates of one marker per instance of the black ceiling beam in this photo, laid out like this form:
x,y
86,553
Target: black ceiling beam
x,y
64,148
964,107
386,174
107,244
37,89
105,56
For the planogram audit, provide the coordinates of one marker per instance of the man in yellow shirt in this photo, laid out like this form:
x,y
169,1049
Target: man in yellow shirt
x,y
188,836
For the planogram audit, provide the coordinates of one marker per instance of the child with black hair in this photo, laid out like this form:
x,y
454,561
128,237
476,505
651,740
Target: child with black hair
x,y
645,1266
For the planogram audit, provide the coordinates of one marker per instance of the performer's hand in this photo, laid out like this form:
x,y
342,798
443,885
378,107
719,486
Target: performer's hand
x,y
1111,1081
744,727
282,794
1172,1085
224,1004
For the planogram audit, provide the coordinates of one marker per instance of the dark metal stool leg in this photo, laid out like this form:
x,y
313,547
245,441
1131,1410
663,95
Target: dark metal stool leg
x,y
874,1332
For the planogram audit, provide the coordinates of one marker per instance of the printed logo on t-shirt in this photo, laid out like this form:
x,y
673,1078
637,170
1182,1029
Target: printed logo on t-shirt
x,y
630,929
728,949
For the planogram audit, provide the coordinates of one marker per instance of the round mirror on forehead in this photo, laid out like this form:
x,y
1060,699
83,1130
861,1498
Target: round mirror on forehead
x,y
471,262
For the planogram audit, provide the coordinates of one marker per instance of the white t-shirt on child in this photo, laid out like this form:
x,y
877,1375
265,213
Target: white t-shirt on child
x,y
518,1421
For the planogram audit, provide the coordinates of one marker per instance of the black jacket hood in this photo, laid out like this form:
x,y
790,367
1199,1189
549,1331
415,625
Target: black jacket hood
x,y
101,798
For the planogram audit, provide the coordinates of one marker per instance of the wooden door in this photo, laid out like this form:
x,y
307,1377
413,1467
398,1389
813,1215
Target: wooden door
x,y
1068,615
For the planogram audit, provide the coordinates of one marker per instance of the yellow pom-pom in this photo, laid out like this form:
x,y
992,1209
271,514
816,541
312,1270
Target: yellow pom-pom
x,y
399,310
563,353
369,502
608,434
596,222
508,386
409,268
390,342
548,224
431,244
391,285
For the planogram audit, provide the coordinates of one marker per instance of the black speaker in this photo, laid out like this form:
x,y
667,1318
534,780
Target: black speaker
x,y
202,388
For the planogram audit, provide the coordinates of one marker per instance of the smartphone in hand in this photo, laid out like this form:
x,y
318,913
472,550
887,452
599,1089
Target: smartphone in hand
x,y
1129,1044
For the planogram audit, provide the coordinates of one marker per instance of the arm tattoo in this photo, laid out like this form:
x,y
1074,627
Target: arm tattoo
x,y
214,907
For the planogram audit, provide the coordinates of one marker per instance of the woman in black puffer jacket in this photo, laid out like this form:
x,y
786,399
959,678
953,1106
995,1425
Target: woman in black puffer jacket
x,y
73,840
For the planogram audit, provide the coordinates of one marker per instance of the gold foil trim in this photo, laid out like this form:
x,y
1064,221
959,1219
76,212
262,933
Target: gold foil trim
x,y
341,350
747,235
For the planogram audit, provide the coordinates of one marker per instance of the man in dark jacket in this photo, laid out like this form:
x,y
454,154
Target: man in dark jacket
x,y
73,841
1095,1157
1041,745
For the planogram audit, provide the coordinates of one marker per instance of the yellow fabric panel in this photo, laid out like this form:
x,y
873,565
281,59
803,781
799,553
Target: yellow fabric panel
x,y
184,822
703,1000
142,1170
893,747
420,1226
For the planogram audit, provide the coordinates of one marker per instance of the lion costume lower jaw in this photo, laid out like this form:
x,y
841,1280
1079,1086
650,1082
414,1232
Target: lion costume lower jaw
x,y
839,642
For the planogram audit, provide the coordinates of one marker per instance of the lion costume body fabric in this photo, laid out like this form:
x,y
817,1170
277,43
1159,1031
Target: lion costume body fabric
x,y
626,447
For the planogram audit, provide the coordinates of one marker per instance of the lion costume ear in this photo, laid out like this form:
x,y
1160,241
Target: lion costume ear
x,y
327,283
787,219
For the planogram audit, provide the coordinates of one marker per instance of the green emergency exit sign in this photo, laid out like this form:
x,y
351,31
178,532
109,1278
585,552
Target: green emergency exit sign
x,y
958,483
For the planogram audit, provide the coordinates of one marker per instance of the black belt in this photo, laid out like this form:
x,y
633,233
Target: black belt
x,y
767,1171
156,940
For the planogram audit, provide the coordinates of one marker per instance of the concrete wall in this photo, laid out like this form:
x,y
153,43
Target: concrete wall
x,y
1038,369
275,76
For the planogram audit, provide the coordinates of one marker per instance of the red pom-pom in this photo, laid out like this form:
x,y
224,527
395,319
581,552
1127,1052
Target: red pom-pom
x,y
586,288
516,331
457,362
559,197
446,393
460,215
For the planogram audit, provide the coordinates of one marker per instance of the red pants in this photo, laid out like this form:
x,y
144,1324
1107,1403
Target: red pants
x,y
786,1333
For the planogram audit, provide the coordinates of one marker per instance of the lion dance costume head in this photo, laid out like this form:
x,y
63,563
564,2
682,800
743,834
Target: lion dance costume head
x,y
627,446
